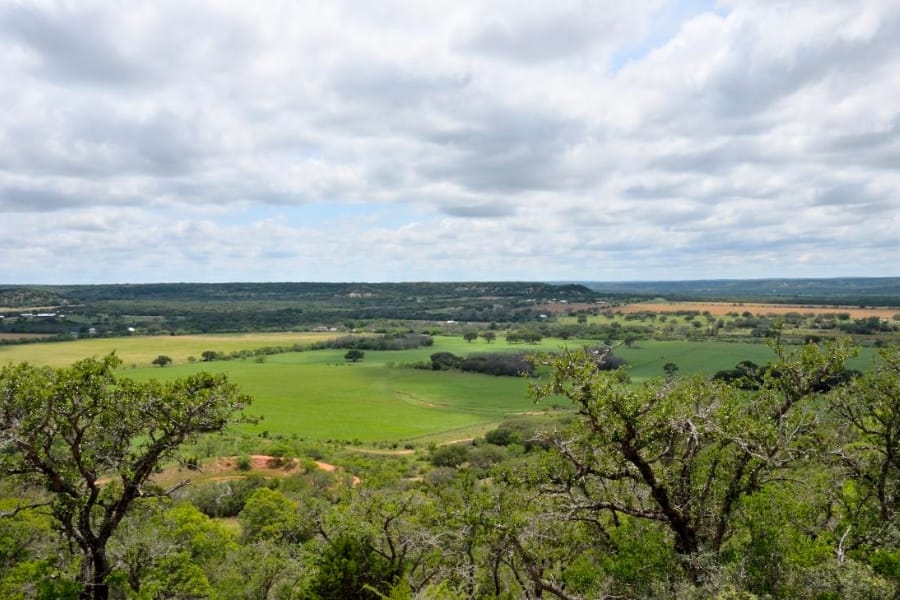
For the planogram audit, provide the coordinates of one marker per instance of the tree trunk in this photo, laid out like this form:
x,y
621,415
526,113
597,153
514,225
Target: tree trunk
x,y
95,586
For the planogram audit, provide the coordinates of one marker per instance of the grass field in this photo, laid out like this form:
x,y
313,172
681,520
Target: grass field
x,y
646,358
316,395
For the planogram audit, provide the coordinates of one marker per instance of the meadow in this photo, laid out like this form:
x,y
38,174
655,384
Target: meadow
x,y
318,396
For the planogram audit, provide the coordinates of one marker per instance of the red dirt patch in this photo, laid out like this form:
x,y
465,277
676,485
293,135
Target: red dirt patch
x,y
271,465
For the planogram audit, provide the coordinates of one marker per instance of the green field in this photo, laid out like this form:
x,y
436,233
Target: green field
x,y
316,395
646,358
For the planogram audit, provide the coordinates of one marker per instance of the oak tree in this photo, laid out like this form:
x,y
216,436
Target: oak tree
x,y
92,440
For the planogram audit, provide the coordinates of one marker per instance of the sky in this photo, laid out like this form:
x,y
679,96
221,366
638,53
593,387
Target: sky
x,y
469,140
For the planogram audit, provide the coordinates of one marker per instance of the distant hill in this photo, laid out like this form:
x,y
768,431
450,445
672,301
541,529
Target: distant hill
x,y
880,291
320,292
23,297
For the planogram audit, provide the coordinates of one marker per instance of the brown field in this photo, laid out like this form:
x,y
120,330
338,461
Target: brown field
x,y
23,336
140,350
722,308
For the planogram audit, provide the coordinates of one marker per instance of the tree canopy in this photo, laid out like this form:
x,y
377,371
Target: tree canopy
x,y
92,440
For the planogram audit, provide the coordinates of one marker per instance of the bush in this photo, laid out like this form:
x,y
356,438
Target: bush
x,y
349,567
390,341
498,363
514,432
486,456
451,455
354,355
226,498
445,360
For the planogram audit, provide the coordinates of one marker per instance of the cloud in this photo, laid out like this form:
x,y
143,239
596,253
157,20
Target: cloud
x,y
496,140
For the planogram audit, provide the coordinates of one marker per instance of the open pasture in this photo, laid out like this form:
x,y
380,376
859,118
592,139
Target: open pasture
x,y
646,358
317,395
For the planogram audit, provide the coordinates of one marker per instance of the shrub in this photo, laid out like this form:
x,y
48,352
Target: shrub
x,y
445,360
498,363
451,455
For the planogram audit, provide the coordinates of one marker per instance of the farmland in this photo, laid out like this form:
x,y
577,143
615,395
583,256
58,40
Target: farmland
x,y
317,395
720,309
140,350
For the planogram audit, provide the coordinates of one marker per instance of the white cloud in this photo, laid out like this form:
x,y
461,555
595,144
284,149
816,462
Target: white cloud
x,y
499,140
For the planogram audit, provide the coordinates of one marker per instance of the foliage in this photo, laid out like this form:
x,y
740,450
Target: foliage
x,y
167,551
162,360
528,335
451,455
354,355
441,361
683,453
225,498
349,568
868,453
400,341
67,429
498,363
269,515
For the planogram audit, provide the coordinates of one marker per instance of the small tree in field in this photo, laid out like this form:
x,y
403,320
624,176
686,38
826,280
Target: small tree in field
x,y
670,369
92,441
162,360
354,355
470,336
489,336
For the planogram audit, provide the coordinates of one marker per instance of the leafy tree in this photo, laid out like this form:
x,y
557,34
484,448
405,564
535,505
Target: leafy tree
x,y
670,369
162,360
349,567
683,454
93,440
869,412
268,514
445,360
209,355
489,336
470,336
168,551
382,539
450,455
354,355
